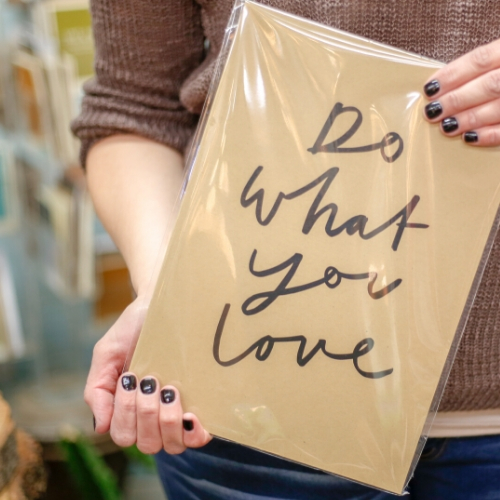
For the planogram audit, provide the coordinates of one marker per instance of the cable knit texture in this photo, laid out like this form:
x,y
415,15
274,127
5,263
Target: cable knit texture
x,y
152,76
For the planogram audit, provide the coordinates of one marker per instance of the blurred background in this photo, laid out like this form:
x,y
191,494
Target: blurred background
x,y
62,280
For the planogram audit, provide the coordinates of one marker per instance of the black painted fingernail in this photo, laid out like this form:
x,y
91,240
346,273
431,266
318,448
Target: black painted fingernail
x,y
188,425
167,396
449,124
471,136
148,385
129,382
431,88
93,418
433,110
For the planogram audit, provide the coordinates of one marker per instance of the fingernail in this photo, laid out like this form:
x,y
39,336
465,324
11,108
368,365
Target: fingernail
x,y
129,382
93,418
431,88
148,385
188,425
167,396
433,110
449,124
471,136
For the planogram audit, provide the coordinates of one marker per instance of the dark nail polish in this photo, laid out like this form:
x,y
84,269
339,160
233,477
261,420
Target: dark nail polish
x,y
148,385
188,425
431,88
93,418
449,124
129,382
167,396
471,136
433,110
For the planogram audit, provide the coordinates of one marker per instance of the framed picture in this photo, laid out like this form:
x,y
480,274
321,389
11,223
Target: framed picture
x,y
33,98
68,23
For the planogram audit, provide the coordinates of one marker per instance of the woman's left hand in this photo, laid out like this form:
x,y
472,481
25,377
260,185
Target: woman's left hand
x,y
465,96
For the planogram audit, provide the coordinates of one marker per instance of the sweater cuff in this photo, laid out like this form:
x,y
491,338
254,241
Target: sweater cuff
x,y
173,128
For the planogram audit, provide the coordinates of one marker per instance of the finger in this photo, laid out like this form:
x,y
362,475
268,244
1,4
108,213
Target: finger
x,y
171,420
472,119
100,389
101,404
194,435
474,93
481,60
108,359
148,407
486,136
124,421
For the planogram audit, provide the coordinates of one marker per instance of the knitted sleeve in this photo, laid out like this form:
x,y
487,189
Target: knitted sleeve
x,y
144,52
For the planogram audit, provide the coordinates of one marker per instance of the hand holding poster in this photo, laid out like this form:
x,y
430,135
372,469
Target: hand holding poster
x,y
326,254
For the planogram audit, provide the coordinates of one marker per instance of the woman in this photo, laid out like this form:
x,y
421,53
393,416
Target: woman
x,y
152,75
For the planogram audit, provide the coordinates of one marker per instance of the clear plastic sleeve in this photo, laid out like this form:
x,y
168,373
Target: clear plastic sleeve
x,y
327,252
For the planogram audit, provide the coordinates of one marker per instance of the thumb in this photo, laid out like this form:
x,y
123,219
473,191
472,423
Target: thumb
x,y
101,402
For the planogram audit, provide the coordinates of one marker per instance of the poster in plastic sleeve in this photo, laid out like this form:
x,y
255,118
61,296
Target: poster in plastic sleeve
x,y
326,254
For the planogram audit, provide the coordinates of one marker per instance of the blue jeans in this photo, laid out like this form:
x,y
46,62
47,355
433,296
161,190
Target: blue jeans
x,y
449,469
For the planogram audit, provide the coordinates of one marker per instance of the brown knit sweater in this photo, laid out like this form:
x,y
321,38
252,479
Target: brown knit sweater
x,y
152,76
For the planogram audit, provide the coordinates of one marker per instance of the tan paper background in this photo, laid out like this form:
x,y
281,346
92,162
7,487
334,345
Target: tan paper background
x,y
277,89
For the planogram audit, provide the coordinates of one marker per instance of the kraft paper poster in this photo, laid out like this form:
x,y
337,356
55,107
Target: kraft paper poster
x,y
327,249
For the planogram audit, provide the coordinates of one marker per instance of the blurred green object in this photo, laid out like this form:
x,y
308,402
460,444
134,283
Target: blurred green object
x,y
134,455
94,478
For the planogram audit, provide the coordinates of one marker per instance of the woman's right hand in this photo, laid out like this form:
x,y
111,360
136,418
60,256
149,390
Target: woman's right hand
x,y
136,412
153,417
135,183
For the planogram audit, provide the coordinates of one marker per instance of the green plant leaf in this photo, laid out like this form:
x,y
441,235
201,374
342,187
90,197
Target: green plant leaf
x,y
90,472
